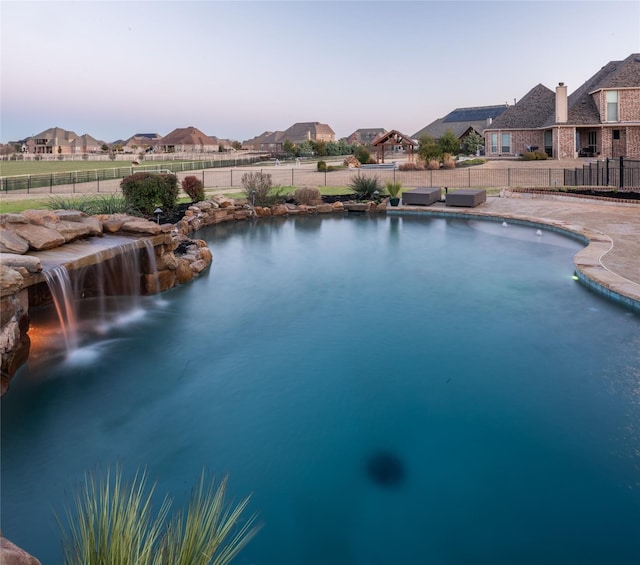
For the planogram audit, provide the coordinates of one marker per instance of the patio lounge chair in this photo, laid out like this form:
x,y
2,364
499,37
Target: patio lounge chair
x,y
422,196
466,197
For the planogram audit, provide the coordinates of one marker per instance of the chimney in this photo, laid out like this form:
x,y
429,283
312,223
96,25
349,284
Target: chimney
x,y
489,121
562,110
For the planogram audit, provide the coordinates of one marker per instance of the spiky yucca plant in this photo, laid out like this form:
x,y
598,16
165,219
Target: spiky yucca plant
x,y
365,187
112,522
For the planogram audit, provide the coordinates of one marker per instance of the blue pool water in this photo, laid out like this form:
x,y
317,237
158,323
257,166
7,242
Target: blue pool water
x,y
507,394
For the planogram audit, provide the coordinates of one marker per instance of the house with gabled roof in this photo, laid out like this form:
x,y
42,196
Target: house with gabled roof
x,y
365,136
141,142
462,121
300,132
59,141
599,119
187,140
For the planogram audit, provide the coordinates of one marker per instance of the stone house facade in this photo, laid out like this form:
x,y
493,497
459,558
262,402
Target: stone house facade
x,y
600,119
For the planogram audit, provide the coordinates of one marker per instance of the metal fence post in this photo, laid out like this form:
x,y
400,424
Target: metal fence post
x,y
231,178
292,176
621,171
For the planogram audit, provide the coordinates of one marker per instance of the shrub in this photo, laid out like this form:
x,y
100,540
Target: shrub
x,y
433,164
448,162
257,188
194,188
322,166
362,154
534,156
417,166
365,187
82,204
145,192
308,196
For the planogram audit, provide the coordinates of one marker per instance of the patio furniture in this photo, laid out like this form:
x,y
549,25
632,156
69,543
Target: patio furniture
x,y
422,196
466,197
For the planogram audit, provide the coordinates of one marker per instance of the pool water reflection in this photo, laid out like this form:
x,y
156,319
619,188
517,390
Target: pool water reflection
x,y
499,396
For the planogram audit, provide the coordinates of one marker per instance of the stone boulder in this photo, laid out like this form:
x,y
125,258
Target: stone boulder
x,y
141,226
70,230
11,242
94,225
11,554
40,217
29,262
13,218
70,215
11,281
38,237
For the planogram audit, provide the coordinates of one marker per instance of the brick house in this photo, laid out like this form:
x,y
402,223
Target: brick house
x,y
365,136
186,140
58,141
600,119
273,141
462,122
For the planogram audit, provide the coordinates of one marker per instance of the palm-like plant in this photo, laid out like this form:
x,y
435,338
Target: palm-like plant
x,y
394,189
365,188
113,522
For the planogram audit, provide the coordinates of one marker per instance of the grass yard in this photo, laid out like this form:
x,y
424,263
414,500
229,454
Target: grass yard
x,y
15,168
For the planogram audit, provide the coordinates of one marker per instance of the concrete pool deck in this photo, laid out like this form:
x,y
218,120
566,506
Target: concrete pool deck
x,y
610,263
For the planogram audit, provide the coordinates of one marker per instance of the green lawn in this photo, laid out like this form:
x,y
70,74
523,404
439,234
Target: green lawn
x,y
15,168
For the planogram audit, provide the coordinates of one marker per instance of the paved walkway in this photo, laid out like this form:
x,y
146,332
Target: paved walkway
x,y
612,258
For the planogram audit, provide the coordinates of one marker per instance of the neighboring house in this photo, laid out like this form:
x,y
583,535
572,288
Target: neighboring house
x,y
187,140
365,136
140,142
601,118
298,133
58,141
463,121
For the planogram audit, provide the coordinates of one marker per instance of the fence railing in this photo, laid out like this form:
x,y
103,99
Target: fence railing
x,y
621,173
73,178
217,174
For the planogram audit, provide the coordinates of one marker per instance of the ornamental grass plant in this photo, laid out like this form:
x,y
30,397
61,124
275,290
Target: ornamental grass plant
x,y
112,522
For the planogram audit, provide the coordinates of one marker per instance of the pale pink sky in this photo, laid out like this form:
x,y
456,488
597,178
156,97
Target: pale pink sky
x,y
235,69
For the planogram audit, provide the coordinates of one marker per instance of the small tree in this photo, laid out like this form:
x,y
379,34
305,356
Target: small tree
x,y
289,147
257,187
472,143
194,188
236,145
449,143
428,148
362,154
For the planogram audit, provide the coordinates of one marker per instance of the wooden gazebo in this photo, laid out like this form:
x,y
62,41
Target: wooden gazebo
x,y
391,139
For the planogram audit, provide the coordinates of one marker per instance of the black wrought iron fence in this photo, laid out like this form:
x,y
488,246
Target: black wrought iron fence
x,y
620,173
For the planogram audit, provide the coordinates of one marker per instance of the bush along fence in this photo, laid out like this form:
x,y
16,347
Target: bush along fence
x,y
95,176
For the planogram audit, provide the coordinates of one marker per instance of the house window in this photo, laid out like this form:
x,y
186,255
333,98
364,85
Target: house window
x,y
612,105
494,143
505,144
616,134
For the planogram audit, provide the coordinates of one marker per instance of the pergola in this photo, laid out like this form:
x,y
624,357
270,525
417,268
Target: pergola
x,y
393,138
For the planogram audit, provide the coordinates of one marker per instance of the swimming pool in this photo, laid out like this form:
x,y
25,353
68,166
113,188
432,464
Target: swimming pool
x,y
461,351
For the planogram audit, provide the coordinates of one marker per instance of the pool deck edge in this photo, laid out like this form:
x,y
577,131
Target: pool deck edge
x,y
601,228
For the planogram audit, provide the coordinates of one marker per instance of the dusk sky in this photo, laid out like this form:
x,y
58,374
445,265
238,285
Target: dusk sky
x,y
235,69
